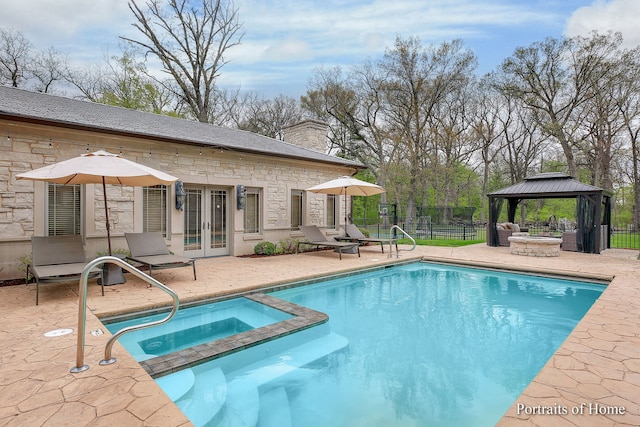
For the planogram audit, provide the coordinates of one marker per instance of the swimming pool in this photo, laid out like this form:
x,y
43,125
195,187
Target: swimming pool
x,y
417,344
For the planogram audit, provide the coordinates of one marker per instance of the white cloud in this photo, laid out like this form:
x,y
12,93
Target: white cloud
x,y
603,16
64,17
288,50
285,39
359,29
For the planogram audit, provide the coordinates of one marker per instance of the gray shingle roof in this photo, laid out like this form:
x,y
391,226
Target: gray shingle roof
x,y
23,105
547,185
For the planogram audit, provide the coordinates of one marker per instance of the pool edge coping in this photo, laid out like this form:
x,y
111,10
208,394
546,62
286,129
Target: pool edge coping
x,y
304,318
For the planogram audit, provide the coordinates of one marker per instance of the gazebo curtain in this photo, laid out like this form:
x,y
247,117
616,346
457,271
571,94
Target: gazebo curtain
x,y
586,224
511,209
495,206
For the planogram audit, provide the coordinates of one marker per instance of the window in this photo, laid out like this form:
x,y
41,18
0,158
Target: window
x,y
64,209
252,213
155,204
297,203
331,211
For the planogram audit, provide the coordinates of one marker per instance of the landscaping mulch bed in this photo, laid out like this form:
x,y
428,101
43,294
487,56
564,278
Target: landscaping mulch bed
x,y
11,282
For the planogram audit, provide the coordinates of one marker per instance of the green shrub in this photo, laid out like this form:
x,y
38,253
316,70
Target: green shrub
x,y
287,246
366,232
264,248
25,260
116,251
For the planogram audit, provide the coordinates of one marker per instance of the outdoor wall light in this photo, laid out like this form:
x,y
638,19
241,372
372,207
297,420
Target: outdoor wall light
x,y
181,195
241,196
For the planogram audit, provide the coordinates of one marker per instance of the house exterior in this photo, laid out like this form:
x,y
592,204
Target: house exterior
x,y
235,188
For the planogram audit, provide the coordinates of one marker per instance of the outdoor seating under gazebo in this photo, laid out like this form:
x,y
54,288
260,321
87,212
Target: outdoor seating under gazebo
x,y
593,208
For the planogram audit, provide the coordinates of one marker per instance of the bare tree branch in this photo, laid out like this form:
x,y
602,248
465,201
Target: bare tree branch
x,y
190,41
15,57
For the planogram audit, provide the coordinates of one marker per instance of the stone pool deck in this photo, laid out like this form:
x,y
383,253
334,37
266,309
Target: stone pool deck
x,y
595,373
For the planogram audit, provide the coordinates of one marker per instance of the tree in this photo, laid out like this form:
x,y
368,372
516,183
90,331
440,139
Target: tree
x,y
453,143
124,82
562,82
626,92
15,58
538,76
47,69
419,82
20,66
598,118
268,117
189,39
352,105
485,124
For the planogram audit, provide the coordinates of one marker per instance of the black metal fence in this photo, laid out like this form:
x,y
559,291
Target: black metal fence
x,y
429,231
622,237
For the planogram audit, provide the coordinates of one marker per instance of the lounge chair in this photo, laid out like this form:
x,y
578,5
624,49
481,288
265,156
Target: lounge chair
x,y
353,233
316,238
151,250
58,259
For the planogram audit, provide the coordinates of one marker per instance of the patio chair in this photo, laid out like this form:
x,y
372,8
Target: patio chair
x,y
58,259
151,250
316,238
353,233
569,241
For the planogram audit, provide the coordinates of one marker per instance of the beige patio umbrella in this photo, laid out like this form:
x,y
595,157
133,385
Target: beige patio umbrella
x,y
99,167
347,186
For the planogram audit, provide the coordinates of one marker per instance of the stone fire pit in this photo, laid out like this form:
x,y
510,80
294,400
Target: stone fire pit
x,y
534,245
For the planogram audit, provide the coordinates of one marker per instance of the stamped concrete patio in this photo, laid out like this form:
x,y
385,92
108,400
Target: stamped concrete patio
x,y
595,373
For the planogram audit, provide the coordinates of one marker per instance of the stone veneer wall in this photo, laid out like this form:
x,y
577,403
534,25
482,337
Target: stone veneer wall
x,y
22,202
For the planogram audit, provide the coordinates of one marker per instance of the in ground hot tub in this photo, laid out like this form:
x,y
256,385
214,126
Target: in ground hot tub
x,y
535,245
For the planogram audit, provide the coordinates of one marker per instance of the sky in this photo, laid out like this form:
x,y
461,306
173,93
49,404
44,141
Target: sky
x,y
286,40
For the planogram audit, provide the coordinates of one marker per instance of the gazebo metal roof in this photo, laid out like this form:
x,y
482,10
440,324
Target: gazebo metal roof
x,y
547,185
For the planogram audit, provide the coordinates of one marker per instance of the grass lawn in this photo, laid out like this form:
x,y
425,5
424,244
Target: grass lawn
x,y
625,240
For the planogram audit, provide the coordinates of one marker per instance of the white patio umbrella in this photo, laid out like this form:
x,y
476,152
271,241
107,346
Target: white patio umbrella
x,y
99,167
347,186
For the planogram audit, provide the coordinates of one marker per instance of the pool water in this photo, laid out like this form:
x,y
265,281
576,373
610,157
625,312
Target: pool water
x,y
413,345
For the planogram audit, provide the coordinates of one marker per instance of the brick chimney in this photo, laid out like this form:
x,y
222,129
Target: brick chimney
x,y
311,134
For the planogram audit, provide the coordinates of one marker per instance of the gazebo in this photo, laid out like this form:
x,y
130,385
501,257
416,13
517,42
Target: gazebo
x,y
593,207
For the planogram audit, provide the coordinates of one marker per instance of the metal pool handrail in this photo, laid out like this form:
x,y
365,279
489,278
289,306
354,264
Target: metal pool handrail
x,y
82,309
397,227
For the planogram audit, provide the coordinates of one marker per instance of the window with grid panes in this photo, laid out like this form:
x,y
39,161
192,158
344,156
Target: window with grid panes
x,y
331,211
252,213
155,208
297,204
64,203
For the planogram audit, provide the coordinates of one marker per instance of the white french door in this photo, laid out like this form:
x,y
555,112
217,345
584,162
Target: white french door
x,y
206,225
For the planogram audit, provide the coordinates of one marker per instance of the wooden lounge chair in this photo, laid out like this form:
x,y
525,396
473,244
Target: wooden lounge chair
x,y
316,238
151,250
58,259
354,233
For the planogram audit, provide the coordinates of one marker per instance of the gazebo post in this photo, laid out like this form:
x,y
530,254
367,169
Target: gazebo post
x,y
597,200
607,219
495,205
511,209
